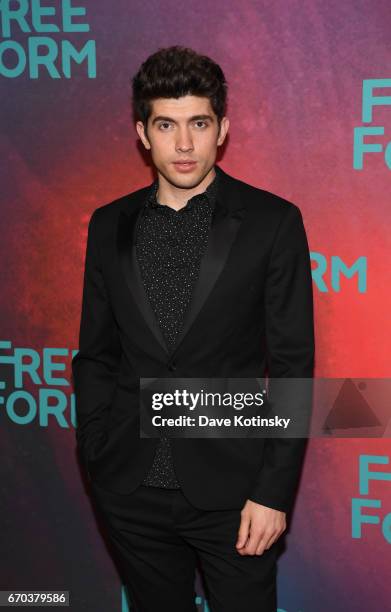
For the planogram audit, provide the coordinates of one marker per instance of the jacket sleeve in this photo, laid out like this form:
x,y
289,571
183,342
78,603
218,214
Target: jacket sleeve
x,y
290,352
95,367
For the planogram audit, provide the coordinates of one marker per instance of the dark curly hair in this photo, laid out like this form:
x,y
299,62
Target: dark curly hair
x,y
174,72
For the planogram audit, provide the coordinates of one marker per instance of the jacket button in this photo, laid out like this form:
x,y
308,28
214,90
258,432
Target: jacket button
x,y
172,366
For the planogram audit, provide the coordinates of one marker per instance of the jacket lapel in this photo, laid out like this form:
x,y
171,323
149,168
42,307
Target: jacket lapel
x,y
224,228
126,244
226,220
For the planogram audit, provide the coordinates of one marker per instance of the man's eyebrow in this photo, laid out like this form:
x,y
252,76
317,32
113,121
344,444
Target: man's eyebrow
x,y
193,118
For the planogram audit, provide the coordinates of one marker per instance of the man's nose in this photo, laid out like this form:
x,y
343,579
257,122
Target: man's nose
x,y
184,141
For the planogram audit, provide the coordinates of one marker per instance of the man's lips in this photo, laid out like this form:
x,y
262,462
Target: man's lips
x,y
184,166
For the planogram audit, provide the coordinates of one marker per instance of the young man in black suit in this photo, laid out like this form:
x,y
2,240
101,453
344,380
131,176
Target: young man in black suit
x,y
196,275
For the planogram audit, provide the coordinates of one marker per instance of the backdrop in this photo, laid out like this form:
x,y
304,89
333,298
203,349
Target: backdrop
x,y
310,109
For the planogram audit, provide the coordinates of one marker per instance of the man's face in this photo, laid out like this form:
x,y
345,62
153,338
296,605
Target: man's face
x,y
183,129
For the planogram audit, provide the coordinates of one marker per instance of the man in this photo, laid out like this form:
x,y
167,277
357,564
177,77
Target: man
x,y
196,275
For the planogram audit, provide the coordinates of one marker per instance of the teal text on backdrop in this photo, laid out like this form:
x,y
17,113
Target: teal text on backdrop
x,y
369,101
27,46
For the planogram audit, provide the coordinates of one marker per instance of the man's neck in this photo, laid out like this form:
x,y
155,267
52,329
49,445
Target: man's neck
x,y
176,197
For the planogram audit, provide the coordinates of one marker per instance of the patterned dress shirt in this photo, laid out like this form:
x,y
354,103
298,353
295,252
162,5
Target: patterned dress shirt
x,y
169,247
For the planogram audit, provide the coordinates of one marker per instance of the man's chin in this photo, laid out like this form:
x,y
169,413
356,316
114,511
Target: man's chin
x,y
184,180
177,180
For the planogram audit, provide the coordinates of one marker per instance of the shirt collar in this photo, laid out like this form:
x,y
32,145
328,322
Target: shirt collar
x,y
209,195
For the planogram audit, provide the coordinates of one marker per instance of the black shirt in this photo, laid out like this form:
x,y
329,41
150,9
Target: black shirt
x,y
169,247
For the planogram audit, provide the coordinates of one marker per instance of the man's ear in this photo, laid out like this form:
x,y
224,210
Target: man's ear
x,y
224,125
142,132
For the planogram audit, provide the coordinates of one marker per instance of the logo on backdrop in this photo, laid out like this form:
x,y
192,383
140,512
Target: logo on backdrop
x,y
32,389
327,275
368,511
361,147
31,43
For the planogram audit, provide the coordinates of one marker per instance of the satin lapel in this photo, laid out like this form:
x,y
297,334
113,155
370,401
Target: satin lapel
x,y
224,228
126,243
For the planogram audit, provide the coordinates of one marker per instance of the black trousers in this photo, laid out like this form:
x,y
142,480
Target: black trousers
x,y
159,538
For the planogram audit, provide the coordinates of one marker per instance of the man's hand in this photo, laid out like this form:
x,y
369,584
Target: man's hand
x,y
260,527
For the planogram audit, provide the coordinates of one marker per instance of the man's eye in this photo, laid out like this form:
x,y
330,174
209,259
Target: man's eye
x,y
165,123
200,121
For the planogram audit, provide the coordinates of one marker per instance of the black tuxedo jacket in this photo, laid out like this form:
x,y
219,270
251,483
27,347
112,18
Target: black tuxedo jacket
x,y
251,314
